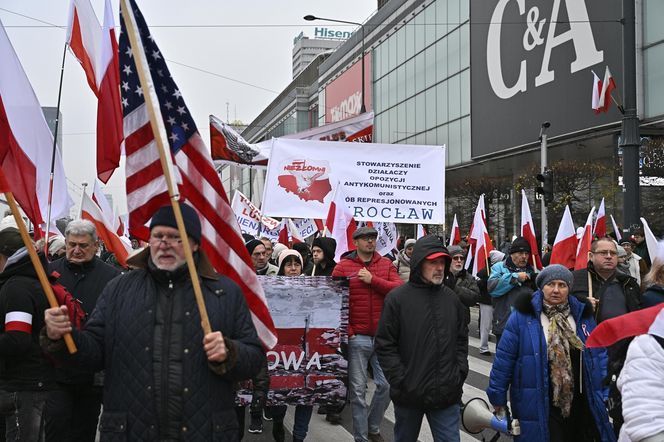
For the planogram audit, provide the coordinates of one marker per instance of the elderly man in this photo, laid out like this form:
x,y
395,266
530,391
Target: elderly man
x,y
422,345
634,263
72,411
260,257
371,278
508,280
462,282
165,379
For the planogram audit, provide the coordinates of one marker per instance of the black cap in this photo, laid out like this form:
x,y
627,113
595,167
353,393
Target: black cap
x,y
10,241
192,224
520,245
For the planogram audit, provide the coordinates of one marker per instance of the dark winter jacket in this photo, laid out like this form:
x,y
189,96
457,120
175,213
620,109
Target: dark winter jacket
x,y
85,282
505,287
329,247
522,367
366,300
629,286
121,335
422,339
22,302
652,296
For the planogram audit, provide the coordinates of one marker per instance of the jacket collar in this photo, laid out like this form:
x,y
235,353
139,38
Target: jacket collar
x,y
140,259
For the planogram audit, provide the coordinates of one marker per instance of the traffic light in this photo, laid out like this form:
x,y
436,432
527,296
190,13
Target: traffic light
x,y
546,189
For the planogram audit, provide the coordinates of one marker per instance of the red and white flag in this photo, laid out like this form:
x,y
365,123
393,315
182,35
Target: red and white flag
x,y
599,229
340,223
291,232
96,49
26,144
421,231
455,233
597,90
616,230
640,322
565,244
528,231
479,237
99,198
18,321
105,231
583,248
198,182
608,85
655,246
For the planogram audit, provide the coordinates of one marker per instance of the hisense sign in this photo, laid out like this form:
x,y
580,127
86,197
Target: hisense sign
x,y
331,33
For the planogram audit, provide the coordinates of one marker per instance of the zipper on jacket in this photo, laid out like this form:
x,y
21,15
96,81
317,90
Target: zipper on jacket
x,y
165,356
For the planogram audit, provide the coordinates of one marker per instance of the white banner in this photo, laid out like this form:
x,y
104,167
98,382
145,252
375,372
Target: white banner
x,y
249,216
306,227
383,182
387,237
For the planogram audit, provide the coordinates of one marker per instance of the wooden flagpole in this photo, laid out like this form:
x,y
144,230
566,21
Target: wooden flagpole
x,y
159,131
36,263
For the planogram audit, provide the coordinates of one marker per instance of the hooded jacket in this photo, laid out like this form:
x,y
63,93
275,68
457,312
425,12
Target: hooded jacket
x,y
522,367
329,247
422,338
366,300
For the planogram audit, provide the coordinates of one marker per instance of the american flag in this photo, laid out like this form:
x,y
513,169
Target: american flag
x,y
199,184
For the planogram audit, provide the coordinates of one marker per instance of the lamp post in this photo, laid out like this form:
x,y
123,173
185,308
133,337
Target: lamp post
x,y
363,109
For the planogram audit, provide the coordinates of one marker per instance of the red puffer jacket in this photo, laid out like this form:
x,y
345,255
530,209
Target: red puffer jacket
x,y
366,300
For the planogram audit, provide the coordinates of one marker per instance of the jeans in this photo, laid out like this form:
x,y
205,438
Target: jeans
x,y
486,318
444,423
27,422
360,355
300,422
72,413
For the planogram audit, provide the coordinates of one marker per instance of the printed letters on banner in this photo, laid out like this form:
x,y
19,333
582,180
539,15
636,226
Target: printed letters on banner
x,y
249,216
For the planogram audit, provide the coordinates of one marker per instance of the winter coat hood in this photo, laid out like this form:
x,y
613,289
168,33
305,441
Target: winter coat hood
x,y
424,247
328,246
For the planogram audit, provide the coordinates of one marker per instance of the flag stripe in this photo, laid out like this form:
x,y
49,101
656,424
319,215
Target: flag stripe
x,y
18,321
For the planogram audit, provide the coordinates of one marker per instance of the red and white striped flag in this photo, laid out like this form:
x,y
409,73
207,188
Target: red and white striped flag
x,y
96,49
109,214
582,250
481,242
105,231
340,223
528,231
26,144
608,85
597,90
289,233
455,233
565,244
599,229
18,321
199,183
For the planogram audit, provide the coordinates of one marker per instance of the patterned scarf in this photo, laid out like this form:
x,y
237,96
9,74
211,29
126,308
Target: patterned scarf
x,y
561,336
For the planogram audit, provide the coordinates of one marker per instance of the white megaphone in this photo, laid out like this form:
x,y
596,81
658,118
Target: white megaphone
x,y
477,416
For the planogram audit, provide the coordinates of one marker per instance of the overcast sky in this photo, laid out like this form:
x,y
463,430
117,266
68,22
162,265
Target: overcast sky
x,y
248,42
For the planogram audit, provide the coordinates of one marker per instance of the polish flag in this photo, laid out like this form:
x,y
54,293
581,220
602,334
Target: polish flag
x,y
565,244
599,229
105,231
294,232
455,233
481,243
26,144
96,49
340,223
582,250
655,247
607,85
640,322
616,230
528,231
283,233
109,215
18,321
421,231
597,90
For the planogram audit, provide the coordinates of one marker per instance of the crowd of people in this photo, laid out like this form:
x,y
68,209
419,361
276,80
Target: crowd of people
x,y
145,369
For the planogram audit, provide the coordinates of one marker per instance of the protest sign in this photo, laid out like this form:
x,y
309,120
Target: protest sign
x,y
311,316
249,216
383,182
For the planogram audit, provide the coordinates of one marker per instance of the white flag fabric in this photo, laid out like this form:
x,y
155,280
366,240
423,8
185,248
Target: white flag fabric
x,y
340,223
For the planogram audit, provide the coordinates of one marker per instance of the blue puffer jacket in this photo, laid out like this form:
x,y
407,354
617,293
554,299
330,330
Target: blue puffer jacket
x,y
521,366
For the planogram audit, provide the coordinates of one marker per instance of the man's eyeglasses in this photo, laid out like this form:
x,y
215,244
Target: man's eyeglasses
x,y
169,240
605,253
457,258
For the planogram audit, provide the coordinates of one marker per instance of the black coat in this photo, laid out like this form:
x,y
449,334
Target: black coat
x,y
119,337
422,339
22,363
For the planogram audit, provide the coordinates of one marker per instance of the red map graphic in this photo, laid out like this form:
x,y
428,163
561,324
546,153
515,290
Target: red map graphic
x,y
317,191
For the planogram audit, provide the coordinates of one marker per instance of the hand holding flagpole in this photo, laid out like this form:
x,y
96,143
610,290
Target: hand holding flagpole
x,y
159,130
36,263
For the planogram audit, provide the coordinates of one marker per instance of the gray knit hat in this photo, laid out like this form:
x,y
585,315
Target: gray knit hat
x,y
456,250
554,272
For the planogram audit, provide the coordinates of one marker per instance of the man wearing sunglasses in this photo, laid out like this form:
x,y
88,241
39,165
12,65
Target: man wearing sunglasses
x,y
462,282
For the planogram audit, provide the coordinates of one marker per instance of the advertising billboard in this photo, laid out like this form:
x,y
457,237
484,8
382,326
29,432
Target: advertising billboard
x,y
343,96
533,61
